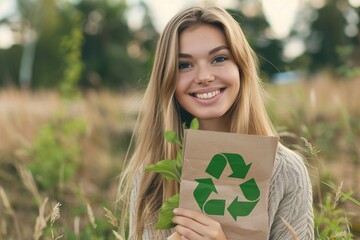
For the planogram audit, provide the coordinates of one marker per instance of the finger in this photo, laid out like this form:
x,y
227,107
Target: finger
x,y
187,233
199,223
189,223
194,215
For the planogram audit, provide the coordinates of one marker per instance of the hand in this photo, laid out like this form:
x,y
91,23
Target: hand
x,y
194,225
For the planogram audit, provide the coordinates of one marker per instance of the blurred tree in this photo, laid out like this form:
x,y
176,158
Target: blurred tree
x,y
40,24
29,24
114,54
35,58
328,33
117,54
71,46
9,65
257,30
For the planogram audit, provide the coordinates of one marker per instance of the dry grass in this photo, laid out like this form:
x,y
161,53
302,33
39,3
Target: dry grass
x,y
327,111
322,101
321,96
41,220
111,117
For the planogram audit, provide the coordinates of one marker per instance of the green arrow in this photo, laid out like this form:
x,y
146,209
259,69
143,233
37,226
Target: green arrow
x,y
239,208
203,190
216,166
237,165
215,207
250,190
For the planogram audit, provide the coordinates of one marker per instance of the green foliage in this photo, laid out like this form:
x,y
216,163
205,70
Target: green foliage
x,y
56,151
349,68
194,124
170,170
71,46
9,65
167,168
269,50
346,196
172,137
112,47
115,55
167,214
330,221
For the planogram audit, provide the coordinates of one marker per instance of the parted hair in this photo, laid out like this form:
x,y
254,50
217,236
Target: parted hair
x,y
160,112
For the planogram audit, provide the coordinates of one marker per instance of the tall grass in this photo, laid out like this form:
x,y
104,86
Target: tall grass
x,y
321,110
109,119
321,118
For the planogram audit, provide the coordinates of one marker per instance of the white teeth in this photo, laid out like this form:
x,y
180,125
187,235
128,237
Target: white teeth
x,y
208,95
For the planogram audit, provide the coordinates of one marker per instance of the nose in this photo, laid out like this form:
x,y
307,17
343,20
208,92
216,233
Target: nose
x,y
204,75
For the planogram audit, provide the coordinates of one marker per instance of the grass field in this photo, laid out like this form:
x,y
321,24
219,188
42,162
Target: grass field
x,y
53,151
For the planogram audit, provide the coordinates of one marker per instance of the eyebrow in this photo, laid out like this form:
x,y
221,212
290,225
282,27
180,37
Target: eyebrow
x,y
212,51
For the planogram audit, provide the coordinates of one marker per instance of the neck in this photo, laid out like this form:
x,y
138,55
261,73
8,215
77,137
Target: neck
x,y
217,124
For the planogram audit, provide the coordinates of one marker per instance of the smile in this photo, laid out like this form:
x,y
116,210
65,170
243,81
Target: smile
x,y
208,95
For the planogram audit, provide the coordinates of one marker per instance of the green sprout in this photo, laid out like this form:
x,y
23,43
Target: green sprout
x,y
170,169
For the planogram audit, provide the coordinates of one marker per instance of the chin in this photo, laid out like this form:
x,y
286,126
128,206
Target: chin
x,y
209,116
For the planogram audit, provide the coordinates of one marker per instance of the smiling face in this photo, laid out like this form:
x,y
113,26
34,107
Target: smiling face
x,y
208,80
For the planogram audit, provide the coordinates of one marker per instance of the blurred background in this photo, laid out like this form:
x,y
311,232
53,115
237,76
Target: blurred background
x,y
72,75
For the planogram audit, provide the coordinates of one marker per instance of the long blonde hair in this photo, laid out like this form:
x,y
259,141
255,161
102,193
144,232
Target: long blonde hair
x,y
161,112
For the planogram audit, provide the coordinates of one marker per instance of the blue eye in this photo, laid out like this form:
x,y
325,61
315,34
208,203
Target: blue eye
x,y
184,65
220,59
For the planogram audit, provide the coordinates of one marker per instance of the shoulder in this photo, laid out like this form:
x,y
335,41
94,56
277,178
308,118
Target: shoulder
x,y
290,180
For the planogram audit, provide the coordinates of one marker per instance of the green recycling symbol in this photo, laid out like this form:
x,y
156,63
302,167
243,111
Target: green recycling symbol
x,y
206,186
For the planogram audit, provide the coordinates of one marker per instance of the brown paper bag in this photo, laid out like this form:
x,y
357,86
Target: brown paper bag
x,y
227,177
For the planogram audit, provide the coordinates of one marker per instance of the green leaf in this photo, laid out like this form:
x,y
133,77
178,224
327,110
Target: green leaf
x,y
179,158
194,124
166,214
171,170
172,137
167,168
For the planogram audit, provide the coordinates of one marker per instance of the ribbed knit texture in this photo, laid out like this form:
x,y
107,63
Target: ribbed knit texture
x,y
290,199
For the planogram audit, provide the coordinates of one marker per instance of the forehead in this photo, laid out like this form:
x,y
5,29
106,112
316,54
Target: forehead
x,y
201,36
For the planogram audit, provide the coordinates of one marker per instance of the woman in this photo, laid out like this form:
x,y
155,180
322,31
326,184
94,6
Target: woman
x,y
205,68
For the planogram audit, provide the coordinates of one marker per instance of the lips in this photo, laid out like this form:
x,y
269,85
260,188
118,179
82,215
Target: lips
x,y
207,95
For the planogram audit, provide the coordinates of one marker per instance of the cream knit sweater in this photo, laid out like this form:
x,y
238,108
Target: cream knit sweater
x,y
290,199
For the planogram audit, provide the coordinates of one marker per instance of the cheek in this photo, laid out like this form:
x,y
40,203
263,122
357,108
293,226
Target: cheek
x,y
182,83
233,77
178,87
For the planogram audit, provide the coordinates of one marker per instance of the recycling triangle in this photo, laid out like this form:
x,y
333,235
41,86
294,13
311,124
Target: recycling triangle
x,y
247,187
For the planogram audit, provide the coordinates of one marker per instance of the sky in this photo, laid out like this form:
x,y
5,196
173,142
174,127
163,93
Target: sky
x,y
7,7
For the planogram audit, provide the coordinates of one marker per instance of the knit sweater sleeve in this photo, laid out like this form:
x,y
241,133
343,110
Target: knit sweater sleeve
x,y
290,198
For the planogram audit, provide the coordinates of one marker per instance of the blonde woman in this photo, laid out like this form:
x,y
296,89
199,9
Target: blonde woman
x,y
205,68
